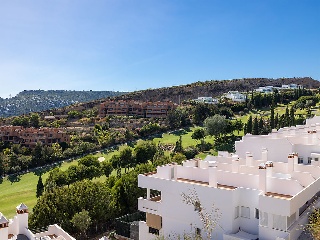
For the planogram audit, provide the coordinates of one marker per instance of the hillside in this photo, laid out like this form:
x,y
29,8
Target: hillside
x,y
64,101
40,100
214,88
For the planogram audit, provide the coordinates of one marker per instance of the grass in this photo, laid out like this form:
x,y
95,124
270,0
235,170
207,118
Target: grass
x,y
22,189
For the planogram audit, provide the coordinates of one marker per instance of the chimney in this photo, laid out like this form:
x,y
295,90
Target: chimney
x,y
290,166
235,165
274,133
264,154
269,166
262,178
22,218
249,159
213,179
4,227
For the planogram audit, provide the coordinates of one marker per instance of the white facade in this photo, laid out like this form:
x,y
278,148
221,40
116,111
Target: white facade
x,y
266,89
291,86
235,96
302,139
265,194
209,100
10,229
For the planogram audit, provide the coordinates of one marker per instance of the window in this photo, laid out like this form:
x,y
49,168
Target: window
x,y
300,160
309,160
245,212
279,222
263,219
316,159
236,212
291,219
256,213
153,231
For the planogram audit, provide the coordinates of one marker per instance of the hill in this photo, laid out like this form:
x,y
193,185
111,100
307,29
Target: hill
x,y
40,100
214,88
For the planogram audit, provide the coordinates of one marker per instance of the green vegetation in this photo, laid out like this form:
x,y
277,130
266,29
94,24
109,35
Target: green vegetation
x,y
17,189
196,130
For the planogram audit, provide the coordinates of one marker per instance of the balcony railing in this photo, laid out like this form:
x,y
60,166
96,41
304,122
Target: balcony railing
x,y
151,205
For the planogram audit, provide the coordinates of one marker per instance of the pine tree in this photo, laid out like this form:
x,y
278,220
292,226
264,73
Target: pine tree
x,y
276,121
287,118
249,125
245,129
272,123
260,126
40,187
2,170
255,129
292,119
178,147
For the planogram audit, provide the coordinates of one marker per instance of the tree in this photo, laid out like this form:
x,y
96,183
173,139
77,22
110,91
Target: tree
x,y
276,121
178,148
82,222
216,125
209,218
37,158
255,129
249,124
126,158
198,134
238,125
61,204
179,157
201,111
313,225
260,125
292,119
40,187
34,120
144,151
106,168
2,169
177,118
272,124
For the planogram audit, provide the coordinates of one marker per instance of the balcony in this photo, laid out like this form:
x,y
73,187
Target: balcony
x,y
152,205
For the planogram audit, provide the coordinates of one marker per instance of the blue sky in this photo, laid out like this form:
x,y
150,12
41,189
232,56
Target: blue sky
x,y
130,45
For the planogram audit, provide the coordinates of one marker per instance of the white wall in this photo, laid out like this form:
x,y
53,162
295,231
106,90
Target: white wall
x,y
278,149
4,233
238,179
177,215
283,186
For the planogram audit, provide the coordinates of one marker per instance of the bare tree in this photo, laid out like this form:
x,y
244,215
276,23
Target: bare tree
x,y
208,217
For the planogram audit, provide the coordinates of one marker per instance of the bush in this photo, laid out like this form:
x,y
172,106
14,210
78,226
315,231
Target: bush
x,y
190,152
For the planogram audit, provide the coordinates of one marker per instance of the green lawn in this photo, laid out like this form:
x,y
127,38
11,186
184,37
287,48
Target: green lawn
x,y
22,189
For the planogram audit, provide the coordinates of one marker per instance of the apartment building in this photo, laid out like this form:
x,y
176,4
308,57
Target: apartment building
x,y
208,100
235,96
30,136
260,195
135,108
303,139
17,228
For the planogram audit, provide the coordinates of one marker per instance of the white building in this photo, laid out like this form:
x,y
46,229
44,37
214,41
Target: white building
x,y
291,86
302,139
209,100
17,228
235,96
265,194
266,89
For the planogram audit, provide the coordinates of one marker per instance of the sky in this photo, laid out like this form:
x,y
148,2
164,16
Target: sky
x,y
127,45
